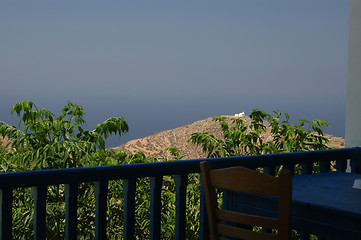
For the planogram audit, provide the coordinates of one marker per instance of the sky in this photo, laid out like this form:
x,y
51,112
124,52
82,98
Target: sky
x,y
164,64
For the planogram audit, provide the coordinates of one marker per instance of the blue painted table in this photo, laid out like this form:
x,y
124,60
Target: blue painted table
x,y
324,204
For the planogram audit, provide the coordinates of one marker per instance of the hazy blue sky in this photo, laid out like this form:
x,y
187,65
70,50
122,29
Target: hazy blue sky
x,y
163,64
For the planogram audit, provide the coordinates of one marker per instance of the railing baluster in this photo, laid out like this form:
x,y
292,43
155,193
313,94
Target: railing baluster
x,y
6,220
203,219
325,166
71,206
269,171
155,207
355,161
289,167
307,168
39,193
181,200
305,236
341,165
129,208
101,192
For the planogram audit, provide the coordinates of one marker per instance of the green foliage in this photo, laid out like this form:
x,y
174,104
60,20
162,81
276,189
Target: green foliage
x,y
44,141
243,138
142,199
175,152
247,138
57,142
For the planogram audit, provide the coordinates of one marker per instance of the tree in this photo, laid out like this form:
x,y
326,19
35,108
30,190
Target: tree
x,y
43,141
242,138
47,141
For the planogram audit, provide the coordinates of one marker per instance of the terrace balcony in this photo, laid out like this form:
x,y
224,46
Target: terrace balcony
x,y
322,220
301,163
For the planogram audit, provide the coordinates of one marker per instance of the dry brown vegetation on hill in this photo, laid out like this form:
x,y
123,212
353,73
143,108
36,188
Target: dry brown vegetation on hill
x,y
4,141
155,145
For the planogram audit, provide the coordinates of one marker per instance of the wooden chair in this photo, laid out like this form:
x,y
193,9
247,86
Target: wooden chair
x,y
246,180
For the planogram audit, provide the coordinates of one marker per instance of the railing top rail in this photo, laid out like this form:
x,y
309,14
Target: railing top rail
x,y
126,171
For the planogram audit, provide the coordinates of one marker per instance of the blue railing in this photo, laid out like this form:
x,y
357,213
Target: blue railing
x,y
39,180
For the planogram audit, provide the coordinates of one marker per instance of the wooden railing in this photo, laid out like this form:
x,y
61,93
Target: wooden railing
x,y
39,180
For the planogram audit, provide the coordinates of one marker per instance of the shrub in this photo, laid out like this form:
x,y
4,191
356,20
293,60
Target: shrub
x,y
242,138
47,142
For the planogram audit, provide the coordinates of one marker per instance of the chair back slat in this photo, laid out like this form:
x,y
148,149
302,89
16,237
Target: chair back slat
x,y
242,233
247,219
241,179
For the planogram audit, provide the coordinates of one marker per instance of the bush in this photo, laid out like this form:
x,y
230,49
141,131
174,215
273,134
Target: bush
x,y
43,141
47,142
242,138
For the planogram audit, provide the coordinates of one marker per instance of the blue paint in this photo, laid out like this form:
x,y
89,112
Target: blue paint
x,y
71,206
101,191
155,207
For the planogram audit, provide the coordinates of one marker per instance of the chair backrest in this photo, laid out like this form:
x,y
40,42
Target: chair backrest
x,y
240,179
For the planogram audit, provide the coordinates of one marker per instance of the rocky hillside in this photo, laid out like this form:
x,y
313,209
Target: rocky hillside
x,y
155,145
4,141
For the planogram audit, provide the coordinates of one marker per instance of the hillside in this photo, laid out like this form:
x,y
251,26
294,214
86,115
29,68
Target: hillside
x,y
155,145
4,141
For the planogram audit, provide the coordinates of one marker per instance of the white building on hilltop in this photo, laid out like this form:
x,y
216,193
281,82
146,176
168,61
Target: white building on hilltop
x,y
242,114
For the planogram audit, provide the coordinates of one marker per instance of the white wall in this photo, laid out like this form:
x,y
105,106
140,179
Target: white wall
x,y
353,108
